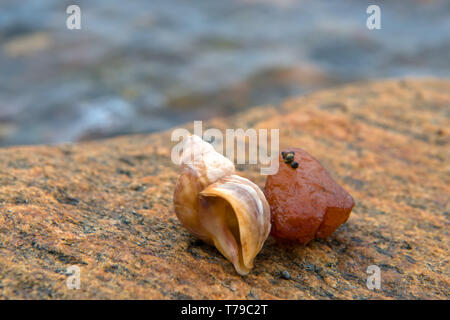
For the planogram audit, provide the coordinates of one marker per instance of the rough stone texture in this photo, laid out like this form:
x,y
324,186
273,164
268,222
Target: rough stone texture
x,y
106,206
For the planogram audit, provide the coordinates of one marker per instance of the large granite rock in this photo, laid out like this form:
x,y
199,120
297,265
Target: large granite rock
x,y
106,207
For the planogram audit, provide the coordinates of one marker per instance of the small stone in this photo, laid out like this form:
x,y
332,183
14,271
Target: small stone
x,y
307,203
285,275
294,165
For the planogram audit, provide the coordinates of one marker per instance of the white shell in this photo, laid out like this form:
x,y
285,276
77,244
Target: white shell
x,y
220,207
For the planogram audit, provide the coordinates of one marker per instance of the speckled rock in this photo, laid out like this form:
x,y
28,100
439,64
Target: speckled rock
x,y
106,207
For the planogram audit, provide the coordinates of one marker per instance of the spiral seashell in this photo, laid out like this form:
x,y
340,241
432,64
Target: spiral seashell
x,y
219,207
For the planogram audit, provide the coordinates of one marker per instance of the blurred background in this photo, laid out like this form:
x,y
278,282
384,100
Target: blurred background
x,y
148,65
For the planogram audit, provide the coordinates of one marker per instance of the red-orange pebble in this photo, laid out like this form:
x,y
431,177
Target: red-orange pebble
x,y
305,202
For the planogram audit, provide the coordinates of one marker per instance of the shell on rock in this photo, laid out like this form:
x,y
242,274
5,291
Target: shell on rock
x,y
220,207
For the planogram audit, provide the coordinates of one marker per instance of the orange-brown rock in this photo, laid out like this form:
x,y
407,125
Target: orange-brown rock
x,y
305,202
106,207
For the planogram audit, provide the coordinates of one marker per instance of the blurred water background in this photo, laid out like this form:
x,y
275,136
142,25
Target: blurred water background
x,y
148,65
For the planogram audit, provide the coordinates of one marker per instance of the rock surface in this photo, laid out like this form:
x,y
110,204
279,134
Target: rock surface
x,y
106,207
